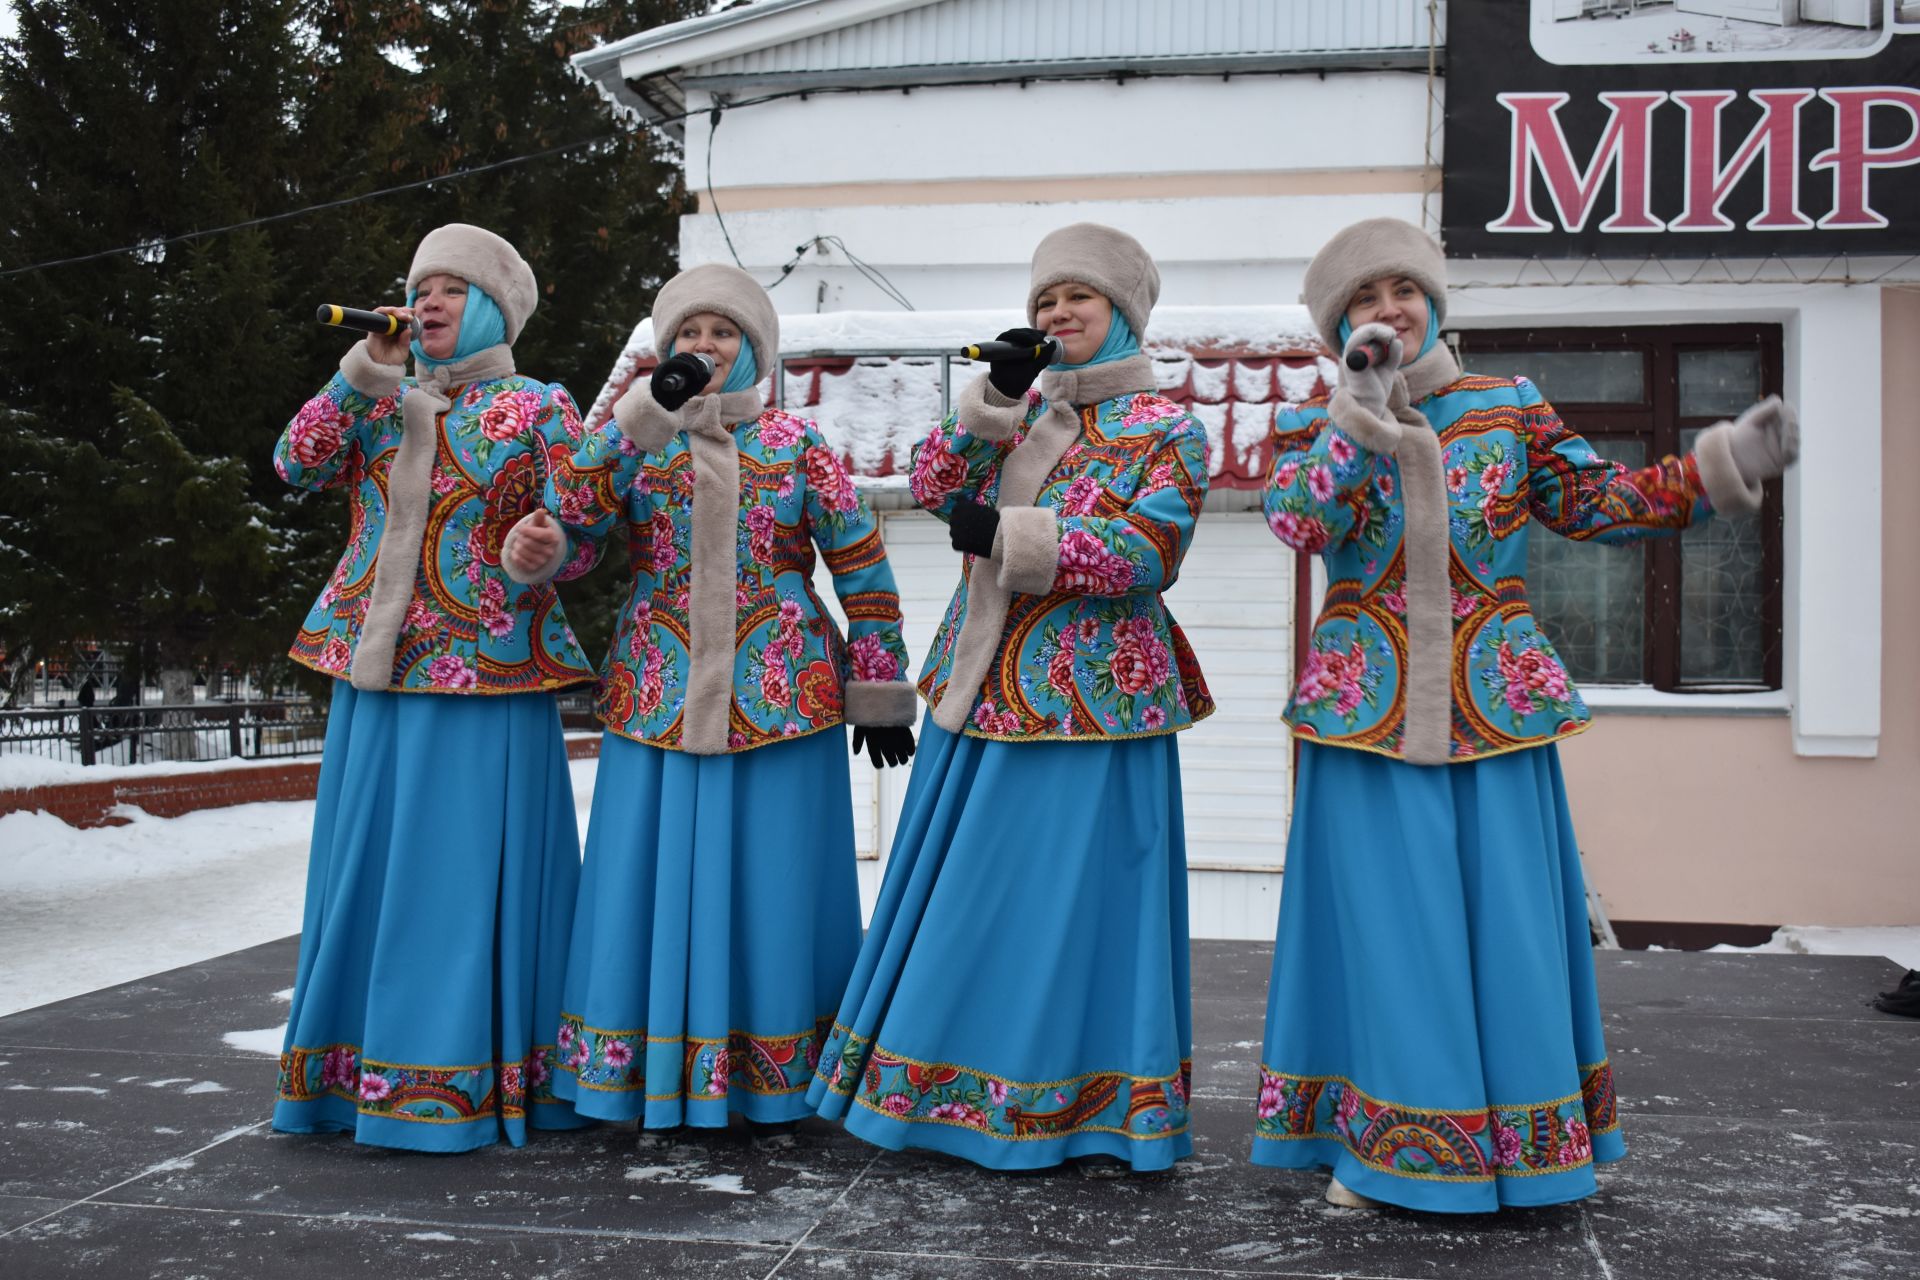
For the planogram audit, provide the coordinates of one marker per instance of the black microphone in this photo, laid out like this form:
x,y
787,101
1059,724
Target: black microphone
x,y
674,381
1366,353
1052,350
375,322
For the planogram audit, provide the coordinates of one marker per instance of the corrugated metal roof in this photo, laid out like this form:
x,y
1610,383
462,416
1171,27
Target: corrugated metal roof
x,y
1012,33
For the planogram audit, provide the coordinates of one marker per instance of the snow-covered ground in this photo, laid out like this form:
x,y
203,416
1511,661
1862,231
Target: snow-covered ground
x,y
86,909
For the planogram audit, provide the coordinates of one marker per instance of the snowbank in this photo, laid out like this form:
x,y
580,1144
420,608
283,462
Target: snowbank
x,y
82,909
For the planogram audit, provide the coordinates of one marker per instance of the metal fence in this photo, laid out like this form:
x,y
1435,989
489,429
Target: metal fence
x,y
137,735
203,731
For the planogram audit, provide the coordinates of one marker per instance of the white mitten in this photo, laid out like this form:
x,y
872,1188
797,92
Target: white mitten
x,y
1370,386
1765,440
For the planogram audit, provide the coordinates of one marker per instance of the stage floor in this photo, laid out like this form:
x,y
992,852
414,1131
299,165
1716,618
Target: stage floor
x,y
1772,1121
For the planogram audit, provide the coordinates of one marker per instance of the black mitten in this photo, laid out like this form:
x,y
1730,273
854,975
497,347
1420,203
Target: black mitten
x,y
971,526
1011,378
678,380
887,744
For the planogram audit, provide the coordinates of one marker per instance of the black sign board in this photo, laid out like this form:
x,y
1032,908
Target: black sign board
x,y
1729,128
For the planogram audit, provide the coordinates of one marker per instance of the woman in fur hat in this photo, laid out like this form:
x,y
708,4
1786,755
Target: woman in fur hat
x,y
445,854
1022,996
1433,1034
719,908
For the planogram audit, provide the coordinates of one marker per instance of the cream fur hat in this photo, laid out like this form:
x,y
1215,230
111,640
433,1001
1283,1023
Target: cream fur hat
x,y
1111,261
726,291
1366,251
479,257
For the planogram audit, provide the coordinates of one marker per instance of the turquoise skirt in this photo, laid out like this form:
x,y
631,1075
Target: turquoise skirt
x,y
1022,995
440,893
1433,1031
718,919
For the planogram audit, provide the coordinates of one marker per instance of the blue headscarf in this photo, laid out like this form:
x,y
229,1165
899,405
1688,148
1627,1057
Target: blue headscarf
x,y
745,372
1433,331
1121,342
481,326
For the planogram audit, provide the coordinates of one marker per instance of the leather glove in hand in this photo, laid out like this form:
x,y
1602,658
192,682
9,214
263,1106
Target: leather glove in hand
x,y
1011,378
1765,440
887,744
971,526
1369,387
693,377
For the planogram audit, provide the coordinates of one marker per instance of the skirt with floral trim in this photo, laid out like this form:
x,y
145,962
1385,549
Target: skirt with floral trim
x,y
718,920
1433,1031
1022,996
440,893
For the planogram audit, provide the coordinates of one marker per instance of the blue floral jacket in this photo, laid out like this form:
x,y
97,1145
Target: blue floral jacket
x,y
1509,462
1098,656
792,666
469,627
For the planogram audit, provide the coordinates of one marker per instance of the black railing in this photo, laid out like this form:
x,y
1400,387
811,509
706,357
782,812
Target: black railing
x,y
137,735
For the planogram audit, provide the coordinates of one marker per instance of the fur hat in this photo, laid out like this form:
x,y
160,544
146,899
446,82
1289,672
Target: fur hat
x,y
1366,251
723,290
479,257
1111,261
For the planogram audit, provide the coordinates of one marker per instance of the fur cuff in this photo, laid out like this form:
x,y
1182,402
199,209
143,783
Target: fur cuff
x,y
1727,489
1027,548
368,376
1376,433
643,421
984,412
878,702
545,572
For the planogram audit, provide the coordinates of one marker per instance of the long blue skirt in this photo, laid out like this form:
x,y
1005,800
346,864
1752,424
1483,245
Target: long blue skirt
x,y
1022,996
1433,1031
718,919
440,895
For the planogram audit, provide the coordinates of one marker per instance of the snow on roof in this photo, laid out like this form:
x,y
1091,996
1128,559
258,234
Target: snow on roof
x,y
871,379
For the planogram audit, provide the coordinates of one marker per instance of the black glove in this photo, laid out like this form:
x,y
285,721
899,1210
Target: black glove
x,y
887,744
678,380
1011,378
971,525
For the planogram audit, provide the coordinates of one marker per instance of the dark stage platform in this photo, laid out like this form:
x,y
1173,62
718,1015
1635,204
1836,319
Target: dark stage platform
x,y
1773,1123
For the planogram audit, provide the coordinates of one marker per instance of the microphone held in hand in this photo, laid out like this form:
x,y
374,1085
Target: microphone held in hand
x,y
374,322
1363,354
680,376
1050,350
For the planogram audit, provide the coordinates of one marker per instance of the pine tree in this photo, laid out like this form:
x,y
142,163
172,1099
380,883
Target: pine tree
x,y
124,122
121,123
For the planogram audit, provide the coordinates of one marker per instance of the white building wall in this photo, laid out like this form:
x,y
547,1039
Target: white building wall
x,y
1226,183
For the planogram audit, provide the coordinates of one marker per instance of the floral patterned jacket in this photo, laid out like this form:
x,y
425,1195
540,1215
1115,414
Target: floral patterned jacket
x,y
468,627
1508,463
1092,653
793,672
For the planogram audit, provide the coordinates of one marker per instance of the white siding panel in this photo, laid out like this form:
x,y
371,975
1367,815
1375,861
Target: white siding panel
x,y
992,32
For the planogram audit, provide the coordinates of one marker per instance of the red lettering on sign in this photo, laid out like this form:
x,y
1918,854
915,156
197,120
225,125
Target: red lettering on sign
x,y
1777,136
1851,157
1624,148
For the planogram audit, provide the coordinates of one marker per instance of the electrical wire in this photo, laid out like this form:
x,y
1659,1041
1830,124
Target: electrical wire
x,y
148,246
873,274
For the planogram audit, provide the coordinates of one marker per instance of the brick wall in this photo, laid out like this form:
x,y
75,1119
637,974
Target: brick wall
x,y
91,804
